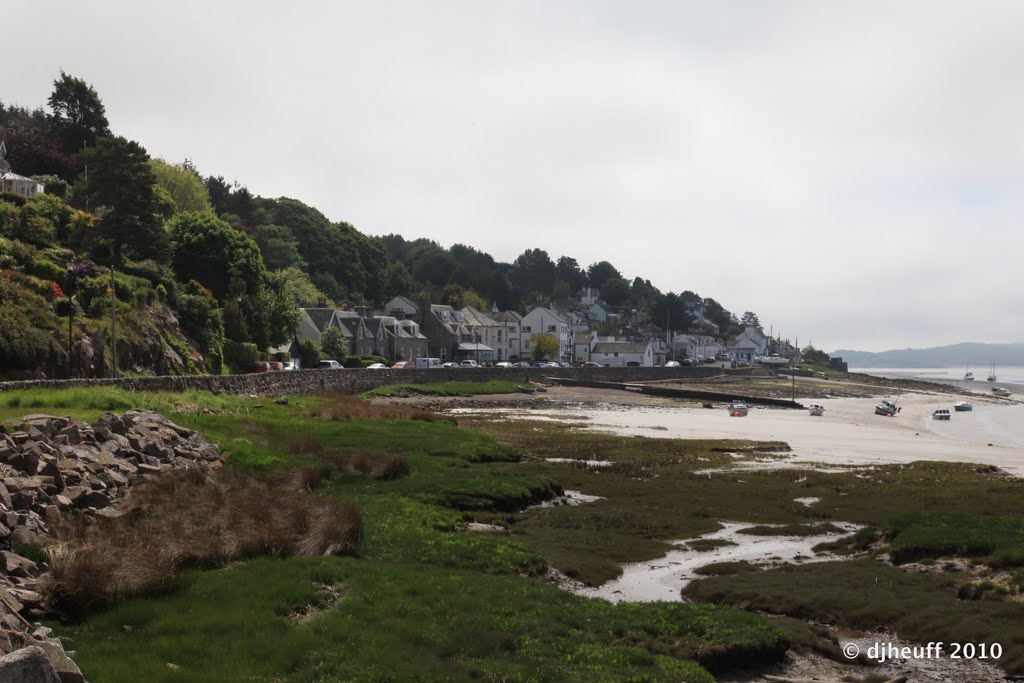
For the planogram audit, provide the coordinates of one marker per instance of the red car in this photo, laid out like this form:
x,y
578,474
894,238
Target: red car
x,y
403,364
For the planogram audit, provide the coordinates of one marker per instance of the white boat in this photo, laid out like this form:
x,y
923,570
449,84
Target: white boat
x,y
968,376
963,407
940,414
887,408
1000,391
816,409
771,360
738,408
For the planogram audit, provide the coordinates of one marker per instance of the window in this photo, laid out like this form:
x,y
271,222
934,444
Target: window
x,y
526,329
551,328
499,336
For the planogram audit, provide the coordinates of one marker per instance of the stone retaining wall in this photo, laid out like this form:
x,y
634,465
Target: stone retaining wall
x,y
356,381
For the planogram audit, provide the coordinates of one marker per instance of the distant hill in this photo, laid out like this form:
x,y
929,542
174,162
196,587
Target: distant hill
x,y
957,355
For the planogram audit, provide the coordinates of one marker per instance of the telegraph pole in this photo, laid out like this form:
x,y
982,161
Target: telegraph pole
x,y
113,322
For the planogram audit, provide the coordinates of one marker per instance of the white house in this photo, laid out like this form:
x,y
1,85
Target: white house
x,y
510,345
620,354
548,321
748,345
12,182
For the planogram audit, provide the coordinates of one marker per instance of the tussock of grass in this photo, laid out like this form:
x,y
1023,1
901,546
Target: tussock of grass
x,y
934,534
187,518
340,407
724,568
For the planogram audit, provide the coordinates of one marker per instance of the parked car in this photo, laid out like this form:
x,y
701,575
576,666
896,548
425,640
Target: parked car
x,y
523,364
330,365
468,364
275,365
449,364
672,364
403,364
261,366
376,366
503,364
590,364
291,365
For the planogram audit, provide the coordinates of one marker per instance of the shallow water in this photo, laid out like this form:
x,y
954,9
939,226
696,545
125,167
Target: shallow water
x,y
665,577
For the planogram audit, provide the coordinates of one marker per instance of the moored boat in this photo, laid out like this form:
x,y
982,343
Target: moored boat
x,y
968,376
940,414
962,406
525,390
992,374
1000,391
885,407
738,408
816,409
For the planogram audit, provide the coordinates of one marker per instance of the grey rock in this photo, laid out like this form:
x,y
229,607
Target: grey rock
x,y
28,665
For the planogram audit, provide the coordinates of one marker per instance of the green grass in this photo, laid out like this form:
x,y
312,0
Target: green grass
x,y
445,389
406,622
917,535
870,595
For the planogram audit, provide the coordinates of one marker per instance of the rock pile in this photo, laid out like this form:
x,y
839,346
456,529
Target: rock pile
x,y
55,467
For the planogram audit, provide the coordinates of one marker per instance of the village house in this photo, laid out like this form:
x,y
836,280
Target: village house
x,y
621,354
543,320
748,345
511,347
14,183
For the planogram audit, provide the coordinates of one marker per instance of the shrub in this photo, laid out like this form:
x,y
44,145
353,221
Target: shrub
x,y
240,356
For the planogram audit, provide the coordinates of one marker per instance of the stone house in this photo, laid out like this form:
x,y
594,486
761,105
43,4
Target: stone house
x,y
620,354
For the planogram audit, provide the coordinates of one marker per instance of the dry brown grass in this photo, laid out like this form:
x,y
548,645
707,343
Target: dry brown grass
x,y
343,408
188,518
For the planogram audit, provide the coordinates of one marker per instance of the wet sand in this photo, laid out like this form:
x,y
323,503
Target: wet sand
x,y
849,433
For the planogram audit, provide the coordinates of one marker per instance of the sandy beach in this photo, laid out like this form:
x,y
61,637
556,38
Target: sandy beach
x,y
849,433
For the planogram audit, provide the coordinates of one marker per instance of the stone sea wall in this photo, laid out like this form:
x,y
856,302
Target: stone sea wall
x,y
355,381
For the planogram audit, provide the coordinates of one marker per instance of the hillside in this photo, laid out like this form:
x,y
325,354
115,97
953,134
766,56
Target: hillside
x,y
955,355
205,271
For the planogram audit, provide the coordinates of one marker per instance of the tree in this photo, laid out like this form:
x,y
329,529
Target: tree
x,y
615,291
333,344
210,251
32,152
533,271
569,271
814,356
78,117
280,312
279,247
749,319
599,273
669,311
301,290
396,281
183,184
121,187
544,346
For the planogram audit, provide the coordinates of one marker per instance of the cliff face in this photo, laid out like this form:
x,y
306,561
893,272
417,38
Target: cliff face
x,y
150,341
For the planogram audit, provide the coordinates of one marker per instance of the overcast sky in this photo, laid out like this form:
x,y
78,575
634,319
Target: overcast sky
x,y
850,171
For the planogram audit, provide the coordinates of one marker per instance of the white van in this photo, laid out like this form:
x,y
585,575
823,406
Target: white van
x,y
428,363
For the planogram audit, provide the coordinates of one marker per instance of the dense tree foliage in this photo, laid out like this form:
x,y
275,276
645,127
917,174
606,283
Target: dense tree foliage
x,y
544,347
79,118
183,185
121,188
